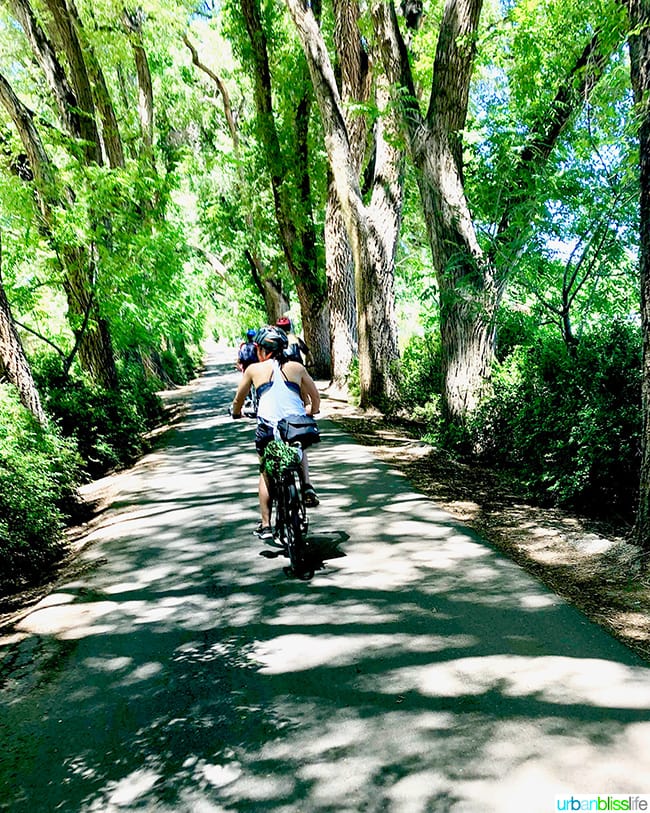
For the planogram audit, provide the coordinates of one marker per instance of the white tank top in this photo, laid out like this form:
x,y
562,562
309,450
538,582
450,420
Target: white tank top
x,y
279,400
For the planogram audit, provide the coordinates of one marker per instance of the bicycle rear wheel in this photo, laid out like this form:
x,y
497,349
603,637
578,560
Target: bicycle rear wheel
x,y
294,524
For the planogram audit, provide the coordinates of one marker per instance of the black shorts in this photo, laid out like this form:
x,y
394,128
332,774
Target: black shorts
x,y
263,435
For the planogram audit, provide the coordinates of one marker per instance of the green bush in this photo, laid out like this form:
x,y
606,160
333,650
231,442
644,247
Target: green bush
x,y
569,422
38,479
354,385
173,367
178,364
420,372
142,390
108,426
515,328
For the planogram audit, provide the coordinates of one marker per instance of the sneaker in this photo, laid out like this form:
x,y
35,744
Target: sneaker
x,y
310,497
263,531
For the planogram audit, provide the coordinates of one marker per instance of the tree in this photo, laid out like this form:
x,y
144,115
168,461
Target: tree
x,y
270,288
471,275
355,83
133,22
639,41
289,169
95,345
595,276
88,80
372,229
13,359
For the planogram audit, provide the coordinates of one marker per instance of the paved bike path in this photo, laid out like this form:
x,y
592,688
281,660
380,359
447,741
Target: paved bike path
x,y
417,671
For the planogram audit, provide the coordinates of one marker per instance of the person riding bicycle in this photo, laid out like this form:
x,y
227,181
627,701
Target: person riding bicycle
x,y
296,350
247,352
284,388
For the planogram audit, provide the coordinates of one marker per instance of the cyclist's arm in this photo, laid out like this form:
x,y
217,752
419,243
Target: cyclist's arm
x,y
310,394
242,392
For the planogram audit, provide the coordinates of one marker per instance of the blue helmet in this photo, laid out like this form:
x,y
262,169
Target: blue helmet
x,y
250,334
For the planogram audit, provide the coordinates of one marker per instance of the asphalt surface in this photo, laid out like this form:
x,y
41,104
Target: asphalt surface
x,y
418,670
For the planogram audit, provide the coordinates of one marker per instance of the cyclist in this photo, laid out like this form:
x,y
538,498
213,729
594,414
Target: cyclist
x,y
247,352
284,388
296,350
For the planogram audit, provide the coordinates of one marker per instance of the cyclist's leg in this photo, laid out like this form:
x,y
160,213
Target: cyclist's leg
x,y
263,434
309,495
265,500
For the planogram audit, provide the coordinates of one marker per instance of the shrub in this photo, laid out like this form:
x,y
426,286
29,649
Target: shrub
x,y
515,328
178,364
569,422
420,371
173,368
38,477
354,386
108,426
142,390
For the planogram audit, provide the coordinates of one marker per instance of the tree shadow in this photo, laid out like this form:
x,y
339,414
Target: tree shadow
x,y
417,671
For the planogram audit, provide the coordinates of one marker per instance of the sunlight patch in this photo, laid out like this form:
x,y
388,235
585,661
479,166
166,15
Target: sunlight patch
x,y
68,620
144,672
133,786
296,653
416,793
108,664
539,601
555,679
220,775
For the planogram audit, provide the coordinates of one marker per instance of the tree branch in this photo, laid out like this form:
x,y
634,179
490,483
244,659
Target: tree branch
x,y
40,336
223,90
569,97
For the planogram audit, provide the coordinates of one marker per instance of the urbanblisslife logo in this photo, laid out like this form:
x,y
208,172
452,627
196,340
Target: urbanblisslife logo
x,y
603,801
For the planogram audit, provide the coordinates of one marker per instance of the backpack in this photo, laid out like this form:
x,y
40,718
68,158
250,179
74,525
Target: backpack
x,y
247,354
296,350
292,353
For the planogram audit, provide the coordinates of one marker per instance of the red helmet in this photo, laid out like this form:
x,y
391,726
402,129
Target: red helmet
x,y
284,323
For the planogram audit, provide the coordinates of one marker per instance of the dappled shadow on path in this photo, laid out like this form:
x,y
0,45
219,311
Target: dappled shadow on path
x,y
418,672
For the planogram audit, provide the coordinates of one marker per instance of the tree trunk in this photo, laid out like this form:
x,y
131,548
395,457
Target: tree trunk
x,y
77,119
639,11
39,163
14,360
293,206
275,299
465,279
133,21
355,85
96,354
95,347
66,35
384,221
276,302
341,294
468,294
470,281
371,229
88,80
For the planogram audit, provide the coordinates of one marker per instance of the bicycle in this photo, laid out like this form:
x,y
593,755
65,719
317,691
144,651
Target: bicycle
x,y
282,464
